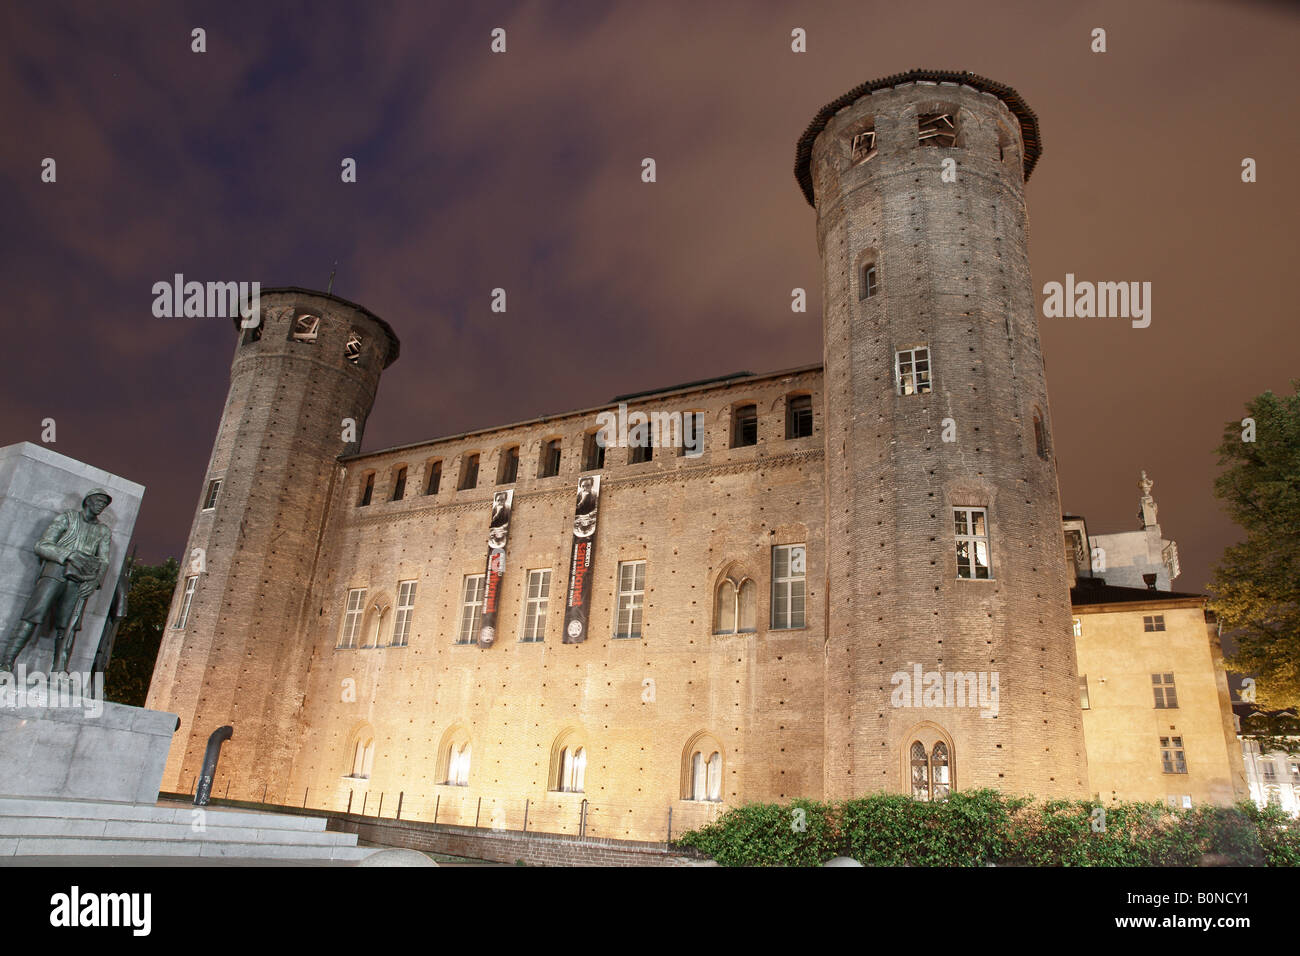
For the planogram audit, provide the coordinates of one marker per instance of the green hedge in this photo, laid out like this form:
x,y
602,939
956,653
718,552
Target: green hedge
x,y
984,827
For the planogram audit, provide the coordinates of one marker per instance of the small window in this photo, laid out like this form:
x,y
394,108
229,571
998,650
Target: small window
x,y
1162,685
304,328
867,281
971,526
631,599
458,765
864,146
536,600
593,450
190,583
1078,627
1040,437
471,609
789,570
353,612
352,348
363,757
1270,769
210,499
912,370
405,611
367,490
572,770
706,776
692,434
733,608
468,472
550,459
798,416
1153,622
936,129
399,484
1084,702
931,773
642,452
508,470
1171,755
744,426
433,477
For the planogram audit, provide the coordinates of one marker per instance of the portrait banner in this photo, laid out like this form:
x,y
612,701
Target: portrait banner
x,y
498,532
578,603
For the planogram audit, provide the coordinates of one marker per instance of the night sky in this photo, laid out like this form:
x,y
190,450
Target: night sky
x,y
522,171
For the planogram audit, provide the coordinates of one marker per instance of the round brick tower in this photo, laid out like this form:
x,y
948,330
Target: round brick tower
x,y
946,570
314,361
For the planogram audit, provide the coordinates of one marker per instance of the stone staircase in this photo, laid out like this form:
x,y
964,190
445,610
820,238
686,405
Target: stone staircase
x,y
51,827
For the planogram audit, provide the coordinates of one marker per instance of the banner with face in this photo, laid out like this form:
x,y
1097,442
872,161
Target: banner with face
x,y
498,532
578,603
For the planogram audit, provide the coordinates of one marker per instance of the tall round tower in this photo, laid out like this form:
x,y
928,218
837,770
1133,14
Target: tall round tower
x,y
950,654
232,652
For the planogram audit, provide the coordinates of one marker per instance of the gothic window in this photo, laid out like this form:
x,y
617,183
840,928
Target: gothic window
x,y
912,370
939,770
798,416
744,426
936,129
186,601
353,612
363,756
468,472
789,569
706,776
1162,685
550,464
471,608
304,328
571,769
508,470
931,774
399,484
920,772
405,611
864,146
734,607
972,534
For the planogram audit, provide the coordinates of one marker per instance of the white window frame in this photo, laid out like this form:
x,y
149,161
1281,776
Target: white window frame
x,y
787,586
973,540
405,612
210,499
354,611
188,599
629,603
915,386
572,769
537,600
471,607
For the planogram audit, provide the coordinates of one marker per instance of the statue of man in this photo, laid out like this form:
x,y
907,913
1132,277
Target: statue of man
x,y
74,557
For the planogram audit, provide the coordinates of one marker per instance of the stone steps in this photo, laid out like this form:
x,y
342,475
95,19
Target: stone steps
x,y
47,827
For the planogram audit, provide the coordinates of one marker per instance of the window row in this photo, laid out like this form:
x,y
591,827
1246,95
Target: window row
x,y
1162,687
938,127
305,329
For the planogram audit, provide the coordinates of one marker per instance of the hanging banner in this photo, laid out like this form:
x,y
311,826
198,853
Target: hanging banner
x,y
498,532
584,552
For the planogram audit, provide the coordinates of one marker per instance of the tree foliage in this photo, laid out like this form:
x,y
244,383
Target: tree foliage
x,y
140,633
1256,586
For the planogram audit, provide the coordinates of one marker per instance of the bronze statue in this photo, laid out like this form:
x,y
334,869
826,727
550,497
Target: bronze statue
x,y
74,557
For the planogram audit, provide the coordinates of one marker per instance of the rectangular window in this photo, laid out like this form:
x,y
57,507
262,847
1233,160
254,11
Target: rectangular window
x,y
550,459
789,566
799,417
1172,756
399,484
434,478
593,452
1153,622
367,490
641,453
536,599
692,434
912,370
405,611
972,533
1270,770
186,601
631,598
935,129
864,146
471,609
1163,686
744,426
468,473
1078,627
352,615
867,281
1084,702
210,499
508,471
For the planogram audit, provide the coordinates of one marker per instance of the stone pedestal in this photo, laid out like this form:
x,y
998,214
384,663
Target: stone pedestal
x,y
36,485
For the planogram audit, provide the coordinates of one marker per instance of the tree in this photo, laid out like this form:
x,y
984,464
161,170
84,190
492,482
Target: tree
x,y
1256,586
140,634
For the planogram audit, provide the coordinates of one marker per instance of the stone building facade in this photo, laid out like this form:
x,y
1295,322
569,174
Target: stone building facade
x,y
854,581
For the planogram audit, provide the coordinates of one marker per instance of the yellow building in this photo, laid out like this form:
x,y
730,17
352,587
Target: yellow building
x,y
1157,716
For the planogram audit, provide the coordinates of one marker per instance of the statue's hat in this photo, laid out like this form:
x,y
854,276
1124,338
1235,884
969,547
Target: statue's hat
x,y
97,491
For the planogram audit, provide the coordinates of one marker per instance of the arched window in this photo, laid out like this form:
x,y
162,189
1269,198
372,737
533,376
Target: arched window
x,y
733,606
939,770
458,764
363,754
929,762
920,772
569,763
702,769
